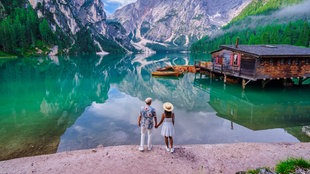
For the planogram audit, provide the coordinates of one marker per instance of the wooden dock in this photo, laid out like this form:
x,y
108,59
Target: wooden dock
x,y
258,63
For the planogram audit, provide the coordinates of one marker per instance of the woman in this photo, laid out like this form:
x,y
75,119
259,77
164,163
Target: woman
x,y
167,130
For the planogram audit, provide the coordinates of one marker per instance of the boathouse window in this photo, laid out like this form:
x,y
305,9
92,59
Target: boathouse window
x,y
307,61
282,61
289,61
219,60
235,59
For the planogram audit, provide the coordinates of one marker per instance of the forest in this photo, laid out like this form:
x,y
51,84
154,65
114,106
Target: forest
x,y
293,33
21,31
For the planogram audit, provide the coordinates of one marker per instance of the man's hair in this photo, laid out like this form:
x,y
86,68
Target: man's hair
x,y
148,100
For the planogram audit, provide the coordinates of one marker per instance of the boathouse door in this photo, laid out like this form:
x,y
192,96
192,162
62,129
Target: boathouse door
x,y
247,67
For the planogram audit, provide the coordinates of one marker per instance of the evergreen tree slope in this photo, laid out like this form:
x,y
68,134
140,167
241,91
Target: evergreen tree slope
x,y
258,7
288,25
21,31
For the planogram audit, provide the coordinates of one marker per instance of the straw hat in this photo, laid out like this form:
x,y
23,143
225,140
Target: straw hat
x,y
148,100
168,106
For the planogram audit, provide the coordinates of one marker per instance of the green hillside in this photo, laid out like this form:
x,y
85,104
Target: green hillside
x,y
294,33
21,31
260,29
258,7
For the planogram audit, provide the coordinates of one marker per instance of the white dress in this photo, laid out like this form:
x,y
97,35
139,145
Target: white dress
x,y
167,129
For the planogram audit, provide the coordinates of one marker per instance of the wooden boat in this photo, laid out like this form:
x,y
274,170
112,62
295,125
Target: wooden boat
x,y
167,68
167,73
182,68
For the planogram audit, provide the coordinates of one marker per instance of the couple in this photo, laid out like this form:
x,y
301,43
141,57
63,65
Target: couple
x,y
145,121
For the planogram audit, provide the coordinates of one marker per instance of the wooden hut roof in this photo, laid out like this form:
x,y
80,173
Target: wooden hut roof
x,y
270,50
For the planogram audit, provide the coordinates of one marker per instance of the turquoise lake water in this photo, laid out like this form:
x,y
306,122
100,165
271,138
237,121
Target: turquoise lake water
x,y
55,104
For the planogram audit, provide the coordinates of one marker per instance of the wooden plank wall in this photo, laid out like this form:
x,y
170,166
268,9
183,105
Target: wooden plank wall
x,y
280,68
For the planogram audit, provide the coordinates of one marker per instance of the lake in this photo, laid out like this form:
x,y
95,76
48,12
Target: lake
x,y
56,104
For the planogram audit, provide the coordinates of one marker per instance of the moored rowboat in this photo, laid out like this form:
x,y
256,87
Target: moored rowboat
x,y
166,73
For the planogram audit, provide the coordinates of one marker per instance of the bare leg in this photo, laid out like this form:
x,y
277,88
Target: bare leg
x,y
167,146
171,142
166,141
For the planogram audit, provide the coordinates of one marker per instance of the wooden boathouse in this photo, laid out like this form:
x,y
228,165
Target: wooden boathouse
x,y
265,63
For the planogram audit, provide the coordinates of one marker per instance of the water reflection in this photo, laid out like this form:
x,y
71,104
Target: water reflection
x,y
41,97
259,109
115,122
53,104
274,109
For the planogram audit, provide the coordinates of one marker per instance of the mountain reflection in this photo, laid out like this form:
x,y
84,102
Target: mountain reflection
x,y
42,97
53,104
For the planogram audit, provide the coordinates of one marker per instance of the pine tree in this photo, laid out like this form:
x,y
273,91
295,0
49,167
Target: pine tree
x,y
303,39
45,31
31,26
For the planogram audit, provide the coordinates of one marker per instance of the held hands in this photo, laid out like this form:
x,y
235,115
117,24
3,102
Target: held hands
x,y
157,125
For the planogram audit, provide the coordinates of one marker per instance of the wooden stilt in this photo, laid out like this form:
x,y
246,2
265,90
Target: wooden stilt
x,y
299,81
285,82
243,83
264,83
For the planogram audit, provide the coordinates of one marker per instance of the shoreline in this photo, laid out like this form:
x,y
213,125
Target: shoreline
x,y
200,158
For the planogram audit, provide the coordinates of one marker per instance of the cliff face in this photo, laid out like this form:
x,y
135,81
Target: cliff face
x,y
176,23
145,23
72,16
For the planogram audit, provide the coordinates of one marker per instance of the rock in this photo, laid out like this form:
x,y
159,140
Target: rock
x,y
306,130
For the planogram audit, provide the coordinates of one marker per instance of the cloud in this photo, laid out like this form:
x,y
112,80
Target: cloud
x,y
121,2
299,10
111,5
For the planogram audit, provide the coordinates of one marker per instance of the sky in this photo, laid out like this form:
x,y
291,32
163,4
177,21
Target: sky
x,y
111,5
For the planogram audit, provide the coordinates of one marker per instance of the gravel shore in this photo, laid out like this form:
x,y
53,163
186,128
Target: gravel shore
x,y
207,158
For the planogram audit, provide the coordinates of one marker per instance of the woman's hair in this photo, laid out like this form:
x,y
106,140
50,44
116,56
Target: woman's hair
x,y
168,113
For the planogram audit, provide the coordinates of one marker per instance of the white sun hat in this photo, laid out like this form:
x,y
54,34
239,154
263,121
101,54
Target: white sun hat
x,y
168,106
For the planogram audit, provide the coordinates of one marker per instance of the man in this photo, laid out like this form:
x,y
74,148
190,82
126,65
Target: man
x,y
145,121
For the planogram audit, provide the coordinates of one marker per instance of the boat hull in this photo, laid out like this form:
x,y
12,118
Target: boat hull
x,y
166,73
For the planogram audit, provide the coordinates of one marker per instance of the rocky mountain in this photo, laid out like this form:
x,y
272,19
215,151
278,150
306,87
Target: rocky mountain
x,y
83,20
170,23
